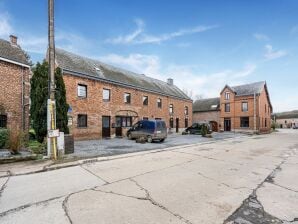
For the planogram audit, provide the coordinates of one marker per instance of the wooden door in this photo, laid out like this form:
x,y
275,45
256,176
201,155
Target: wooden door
x,y
106,126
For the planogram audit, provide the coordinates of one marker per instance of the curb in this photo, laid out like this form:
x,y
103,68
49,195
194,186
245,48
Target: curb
x,y
116,157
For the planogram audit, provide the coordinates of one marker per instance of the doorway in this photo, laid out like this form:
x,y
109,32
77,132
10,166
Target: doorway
x,y
177,125
106,126
227,124
118,127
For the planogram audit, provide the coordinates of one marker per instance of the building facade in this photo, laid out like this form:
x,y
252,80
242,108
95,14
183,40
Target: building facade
x,y
287,119
15,75
207,110
246,108
106,101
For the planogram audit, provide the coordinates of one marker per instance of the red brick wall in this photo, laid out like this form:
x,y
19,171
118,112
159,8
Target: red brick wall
x,y
206,116
236,111
11,94
95,107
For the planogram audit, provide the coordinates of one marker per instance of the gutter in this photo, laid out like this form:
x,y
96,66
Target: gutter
x,y
14,62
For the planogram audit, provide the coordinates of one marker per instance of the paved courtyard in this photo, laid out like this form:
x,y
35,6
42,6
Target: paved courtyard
x,y
115,146
248,180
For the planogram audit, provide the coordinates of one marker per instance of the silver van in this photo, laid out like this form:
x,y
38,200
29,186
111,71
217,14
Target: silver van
x,y
149,129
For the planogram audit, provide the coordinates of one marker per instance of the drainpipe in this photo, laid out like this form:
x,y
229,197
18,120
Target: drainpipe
x,y
22,104
255,118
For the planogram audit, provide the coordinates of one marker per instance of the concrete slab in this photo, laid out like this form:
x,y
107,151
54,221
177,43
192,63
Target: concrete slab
x,y
287,177
97,207
278,201
196,198
48,212
23,190
120,169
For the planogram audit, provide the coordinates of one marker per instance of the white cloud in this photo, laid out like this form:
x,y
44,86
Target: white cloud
x,y
260,36
273,54
185,77
139,63
5,27
138,36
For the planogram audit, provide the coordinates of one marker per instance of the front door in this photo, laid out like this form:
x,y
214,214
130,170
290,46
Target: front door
x,y
227,124
118,127
106,128
177,124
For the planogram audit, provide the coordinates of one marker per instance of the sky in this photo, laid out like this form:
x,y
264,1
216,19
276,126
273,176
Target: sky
x,y
202,45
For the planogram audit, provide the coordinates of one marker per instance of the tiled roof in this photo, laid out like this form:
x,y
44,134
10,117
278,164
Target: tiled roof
x,y
248,89
90,68
210,104
13,53
286,115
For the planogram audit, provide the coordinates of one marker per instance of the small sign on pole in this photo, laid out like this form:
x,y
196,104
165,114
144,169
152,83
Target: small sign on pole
x,y
53,133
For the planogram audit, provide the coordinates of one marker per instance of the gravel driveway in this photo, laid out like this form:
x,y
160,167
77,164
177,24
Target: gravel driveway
x,y
107,147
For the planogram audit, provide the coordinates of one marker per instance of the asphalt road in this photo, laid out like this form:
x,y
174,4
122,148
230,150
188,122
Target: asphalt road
x,y
248,180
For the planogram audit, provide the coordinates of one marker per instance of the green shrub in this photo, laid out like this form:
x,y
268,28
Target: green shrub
x,y
37,147
204,130
3,138
32,135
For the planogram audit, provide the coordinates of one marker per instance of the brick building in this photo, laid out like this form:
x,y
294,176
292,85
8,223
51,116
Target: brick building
x,y
288,119
105,101
14,86
246,108
207,110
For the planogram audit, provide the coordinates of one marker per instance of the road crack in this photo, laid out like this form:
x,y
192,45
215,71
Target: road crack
x,y
89,171
5,183
155,203
251,211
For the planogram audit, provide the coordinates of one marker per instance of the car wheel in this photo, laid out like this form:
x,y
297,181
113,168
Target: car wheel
x,y
162,140
149,139
129,136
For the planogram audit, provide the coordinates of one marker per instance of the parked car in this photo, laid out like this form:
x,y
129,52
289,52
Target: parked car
x,y
149,129
196,129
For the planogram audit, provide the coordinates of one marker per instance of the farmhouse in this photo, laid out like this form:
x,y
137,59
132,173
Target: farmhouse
x,y
105,101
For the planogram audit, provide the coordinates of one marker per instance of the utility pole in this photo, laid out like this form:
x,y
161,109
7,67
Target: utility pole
x,y
52,132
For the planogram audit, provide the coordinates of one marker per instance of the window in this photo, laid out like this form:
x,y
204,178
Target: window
x,y
265,108
159,103
244,106
171,123
265,122
145,118
186,110
244,122
106,94
171,109
158,119
126,97
126,121
227,107
227,95
3,121
82,91
82,120
145,100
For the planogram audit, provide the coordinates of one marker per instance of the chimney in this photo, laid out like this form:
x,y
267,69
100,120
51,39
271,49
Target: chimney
x,y
13,40
170,81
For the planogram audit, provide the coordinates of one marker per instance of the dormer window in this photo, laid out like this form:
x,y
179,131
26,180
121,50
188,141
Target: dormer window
x,y
227,95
